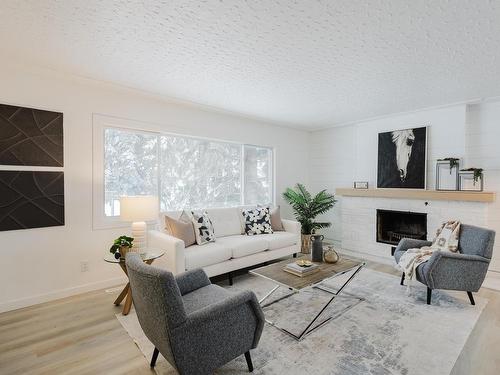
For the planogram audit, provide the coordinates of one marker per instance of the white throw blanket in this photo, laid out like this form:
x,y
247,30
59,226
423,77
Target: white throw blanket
x,y
446,240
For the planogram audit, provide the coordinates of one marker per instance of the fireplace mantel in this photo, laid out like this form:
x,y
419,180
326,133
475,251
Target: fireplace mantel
x,y
466,196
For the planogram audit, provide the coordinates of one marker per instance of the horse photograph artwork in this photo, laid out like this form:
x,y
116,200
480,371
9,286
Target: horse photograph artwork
x,y
402,156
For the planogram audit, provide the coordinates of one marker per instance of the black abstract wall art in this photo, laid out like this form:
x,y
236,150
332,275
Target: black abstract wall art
x,y
402,157
31,137
31,199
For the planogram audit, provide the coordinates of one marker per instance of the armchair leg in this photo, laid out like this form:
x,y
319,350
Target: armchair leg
x,y
230,277
154,358
249,361
471,298
295,255
429,295
402,279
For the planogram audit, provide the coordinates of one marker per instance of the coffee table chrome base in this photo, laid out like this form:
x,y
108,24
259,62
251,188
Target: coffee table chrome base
x,y
312,326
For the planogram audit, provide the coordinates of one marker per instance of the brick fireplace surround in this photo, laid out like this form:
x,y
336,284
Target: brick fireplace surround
x,y
359,220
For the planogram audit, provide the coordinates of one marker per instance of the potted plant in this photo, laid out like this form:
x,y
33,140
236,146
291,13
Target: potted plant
x,y
447,174
306,208
453,162
121,246
471,174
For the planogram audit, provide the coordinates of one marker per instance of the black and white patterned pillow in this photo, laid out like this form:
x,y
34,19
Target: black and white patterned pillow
x,y
203,227
257,221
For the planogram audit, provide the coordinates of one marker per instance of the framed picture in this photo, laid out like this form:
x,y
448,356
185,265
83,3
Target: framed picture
x,y
447,175
402,159
360,184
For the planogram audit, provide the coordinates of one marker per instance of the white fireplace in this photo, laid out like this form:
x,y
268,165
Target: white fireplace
x,y
359,220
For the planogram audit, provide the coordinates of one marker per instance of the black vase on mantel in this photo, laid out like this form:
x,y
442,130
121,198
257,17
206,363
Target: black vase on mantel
x,y
317,247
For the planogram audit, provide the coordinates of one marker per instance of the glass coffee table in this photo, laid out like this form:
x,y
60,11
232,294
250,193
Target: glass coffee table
x,y
275,273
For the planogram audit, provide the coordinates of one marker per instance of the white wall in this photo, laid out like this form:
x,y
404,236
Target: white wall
x,y
482,151
345,154
42,264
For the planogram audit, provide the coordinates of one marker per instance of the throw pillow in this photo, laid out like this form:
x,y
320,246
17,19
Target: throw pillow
x,y
257,221
276,223
203,228
447,236
182,229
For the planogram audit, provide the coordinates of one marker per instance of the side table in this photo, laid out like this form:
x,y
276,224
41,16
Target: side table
x,y
148,257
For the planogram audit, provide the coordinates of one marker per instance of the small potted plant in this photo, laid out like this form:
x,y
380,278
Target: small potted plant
x,y
121,246
471,179
447,174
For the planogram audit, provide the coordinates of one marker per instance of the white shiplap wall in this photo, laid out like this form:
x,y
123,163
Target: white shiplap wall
x,y
339,156
482,151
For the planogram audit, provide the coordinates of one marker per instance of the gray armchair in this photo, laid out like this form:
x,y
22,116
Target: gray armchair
x,y
463,271
195,325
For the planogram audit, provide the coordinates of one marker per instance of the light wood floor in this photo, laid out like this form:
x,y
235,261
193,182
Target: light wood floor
x,y
81,335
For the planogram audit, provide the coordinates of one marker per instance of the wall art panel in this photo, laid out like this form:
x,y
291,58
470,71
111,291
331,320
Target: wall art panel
x,y
30,199
30,137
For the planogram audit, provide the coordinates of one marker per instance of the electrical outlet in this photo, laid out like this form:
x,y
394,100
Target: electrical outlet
x,y
84,266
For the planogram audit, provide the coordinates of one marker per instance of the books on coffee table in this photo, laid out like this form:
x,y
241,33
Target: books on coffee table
x,y
299,270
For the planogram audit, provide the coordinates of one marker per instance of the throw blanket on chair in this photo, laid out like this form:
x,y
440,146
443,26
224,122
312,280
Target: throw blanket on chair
x,y
446,240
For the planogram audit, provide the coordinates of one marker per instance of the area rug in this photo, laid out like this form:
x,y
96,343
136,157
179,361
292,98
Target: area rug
x,y
388,330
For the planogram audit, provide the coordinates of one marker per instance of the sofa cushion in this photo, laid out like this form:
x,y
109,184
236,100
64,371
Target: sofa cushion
x,y
242,245
205,255
276,223
203,227
279,240
226,221
173,214
182,229
257,221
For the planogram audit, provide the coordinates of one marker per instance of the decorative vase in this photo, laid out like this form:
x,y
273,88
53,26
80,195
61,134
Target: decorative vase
x,y
330,255
123,251
305,247
317,247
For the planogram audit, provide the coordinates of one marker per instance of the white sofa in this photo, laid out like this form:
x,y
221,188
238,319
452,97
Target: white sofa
x,y
232,249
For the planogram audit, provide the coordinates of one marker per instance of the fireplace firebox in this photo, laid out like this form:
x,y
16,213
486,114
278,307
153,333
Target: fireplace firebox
x,y
392,226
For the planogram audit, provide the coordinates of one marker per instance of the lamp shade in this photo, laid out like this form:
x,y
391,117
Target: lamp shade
x,y
139,208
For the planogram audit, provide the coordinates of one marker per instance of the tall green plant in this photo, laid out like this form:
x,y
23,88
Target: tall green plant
x,y
306,207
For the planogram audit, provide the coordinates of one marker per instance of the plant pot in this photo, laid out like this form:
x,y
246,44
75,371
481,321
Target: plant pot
x,y
305,247
123,251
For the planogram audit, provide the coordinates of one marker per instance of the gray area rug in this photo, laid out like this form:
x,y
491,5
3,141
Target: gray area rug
x,y
389,331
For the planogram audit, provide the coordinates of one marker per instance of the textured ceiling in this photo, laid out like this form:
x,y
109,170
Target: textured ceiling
x,y
305,63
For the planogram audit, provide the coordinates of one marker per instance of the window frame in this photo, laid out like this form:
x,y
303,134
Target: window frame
x,y
271,170
102,122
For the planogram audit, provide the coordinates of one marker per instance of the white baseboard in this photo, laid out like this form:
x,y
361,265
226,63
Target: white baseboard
x,y
62,293
492,280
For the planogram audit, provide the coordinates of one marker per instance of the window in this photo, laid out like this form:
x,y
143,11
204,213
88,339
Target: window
x,y
130,166
185,172
197,173
258,175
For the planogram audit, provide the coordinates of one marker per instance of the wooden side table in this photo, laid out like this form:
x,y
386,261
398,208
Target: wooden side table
x,y
148,257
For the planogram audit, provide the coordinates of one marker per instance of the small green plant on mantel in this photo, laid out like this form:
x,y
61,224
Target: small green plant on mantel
x,y
478,173
121,246
453,162
306,208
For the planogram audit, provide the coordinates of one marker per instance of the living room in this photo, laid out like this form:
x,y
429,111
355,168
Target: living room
x,y
230,114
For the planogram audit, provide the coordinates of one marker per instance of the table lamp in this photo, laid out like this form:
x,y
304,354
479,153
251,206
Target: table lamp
x,y
139,209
